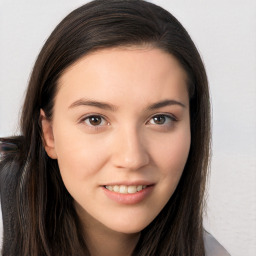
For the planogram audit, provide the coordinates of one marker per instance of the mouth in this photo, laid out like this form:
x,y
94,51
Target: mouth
x,y
124,189
128,194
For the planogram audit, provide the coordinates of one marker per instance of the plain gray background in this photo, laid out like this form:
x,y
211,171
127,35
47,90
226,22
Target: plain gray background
x,y
225,33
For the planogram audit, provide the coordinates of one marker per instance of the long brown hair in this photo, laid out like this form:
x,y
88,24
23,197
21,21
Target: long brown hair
x,y
38,212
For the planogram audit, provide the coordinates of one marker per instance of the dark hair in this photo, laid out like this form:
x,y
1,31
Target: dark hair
x,y
39,217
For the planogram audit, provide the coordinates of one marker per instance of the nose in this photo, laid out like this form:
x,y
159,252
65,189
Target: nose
x,y
130,151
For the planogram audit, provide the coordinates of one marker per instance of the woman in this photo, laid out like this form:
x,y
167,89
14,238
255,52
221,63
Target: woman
x,y
114,146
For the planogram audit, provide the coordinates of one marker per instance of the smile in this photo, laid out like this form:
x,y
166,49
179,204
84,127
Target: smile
x,y
123,189
128,194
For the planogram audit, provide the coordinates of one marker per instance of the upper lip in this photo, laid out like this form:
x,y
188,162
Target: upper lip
x,y
130,183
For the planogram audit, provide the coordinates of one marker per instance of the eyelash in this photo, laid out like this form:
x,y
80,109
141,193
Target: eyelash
x,y
165,116
96,127
170,117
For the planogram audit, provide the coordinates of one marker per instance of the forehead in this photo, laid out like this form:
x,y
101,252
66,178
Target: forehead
x,y
124,74
125,55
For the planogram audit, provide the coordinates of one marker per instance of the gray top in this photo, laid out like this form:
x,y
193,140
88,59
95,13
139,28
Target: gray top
x,y
213,247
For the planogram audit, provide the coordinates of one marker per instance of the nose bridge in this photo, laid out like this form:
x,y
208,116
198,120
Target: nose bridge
x,y
131,151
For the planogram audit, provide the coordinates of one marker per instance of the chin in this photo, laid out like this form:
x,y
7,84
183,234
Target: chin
x,y
132,227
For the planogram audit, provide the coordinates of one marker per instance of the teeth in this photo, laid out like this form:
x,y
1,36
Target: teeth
x,y
116,188
123,189
132,189
139,188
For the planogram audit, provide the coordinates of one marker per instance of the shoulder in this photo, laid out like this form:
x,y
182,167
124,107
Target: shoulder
x,y
213,247
8,187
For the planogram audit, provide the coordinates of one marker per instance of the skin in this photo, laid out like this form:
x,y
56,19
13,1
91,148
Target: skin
x,y
128,141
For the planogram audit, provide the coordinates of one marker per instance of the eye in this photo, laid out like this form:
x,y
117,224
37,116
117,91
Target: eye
x,y
162,119
95,120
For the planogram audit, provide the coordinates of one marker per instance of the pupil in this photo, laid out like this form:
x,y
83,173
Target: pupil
x,y
159,119
95,120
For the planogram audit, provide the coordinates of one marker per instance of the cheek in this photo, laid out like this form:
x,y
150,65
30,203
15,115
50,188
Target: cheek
x,y
172,153
79,156
169,156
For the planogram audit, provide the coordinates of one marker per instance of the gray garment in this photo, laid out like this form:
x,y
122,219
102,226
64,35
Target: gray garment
x,y
213,247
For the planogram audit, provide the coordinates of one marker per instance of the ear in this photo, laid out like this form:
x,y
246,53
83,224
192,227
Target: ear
x,y
48,138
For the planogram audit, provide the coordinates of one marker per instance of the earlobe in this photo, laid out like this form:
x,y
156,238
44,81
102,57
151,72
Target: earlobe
x,y
48,137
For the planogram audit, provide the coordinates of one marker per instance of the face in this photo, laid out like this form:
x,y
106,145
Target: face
x,y
121,135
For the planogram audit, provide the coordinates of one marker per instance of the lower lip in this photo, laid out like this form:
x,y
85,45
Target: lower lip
x,y
134,198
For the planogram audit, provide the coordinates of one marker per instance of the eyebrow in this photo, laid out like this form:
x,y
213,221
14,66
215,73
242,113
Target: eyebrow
x,y
93,103
165,103
108,106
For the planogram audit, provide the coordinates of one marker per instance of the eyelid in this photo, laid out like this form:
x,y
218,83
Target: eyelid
x,y
82,120
169,115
